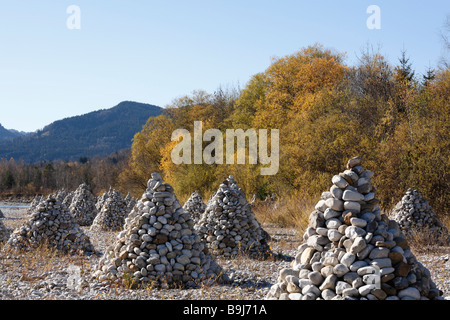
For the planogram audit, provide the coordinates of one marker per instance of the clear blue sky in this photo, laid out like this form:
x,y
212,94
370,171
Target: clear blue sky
x,y
155,51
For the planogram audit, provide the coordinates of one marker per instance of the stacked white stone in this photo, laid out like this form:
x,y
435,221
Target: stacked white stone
x,y
229,227
68,199
158,245
195,206
34,203
414,214
82,206
101,200
351,251
131,202
112,214
61,194
51,224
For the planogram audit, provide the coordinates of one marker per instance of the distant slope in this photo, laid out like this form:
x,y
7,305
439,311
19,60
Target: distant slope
x,y
96,133
6,134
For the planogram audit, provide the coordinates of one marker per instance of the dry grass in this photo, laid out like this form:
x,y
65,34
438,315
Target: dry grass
x,y
291,212
425,241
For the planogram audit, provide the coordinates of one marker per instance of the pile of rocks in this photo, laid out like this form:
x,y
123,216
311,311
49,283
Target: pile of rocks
x,y
34,203
228,225
82,206
68,199
61,194
414,214
101,200
158,245
51,224
195,206
112,214
130,201
352,251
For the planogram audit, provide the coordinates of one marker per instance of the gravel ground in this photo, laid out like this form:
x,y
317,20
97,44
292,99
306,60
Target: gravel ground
x,y
48,275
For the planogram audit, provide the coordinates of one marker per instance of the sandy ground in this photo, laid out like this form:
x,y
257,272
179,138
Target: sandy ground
x,y
49,275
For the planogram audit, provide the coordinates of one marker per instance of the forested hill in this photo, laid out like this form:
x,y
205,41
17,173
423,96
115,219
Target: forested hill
x,y
6,134
96,133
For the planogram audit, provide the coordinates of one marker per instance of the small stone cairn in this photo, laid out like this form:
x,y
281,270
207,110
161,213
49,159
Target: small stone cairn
x,y
34,203
82,206
112,214
229,227
68,199
195,206
351,251
101,200
414,214
131,202
158,245
61,194
51,224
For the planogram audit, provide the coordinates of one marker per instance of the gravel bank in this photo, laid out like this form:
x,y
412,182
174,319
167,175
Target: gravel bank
x,y
48,275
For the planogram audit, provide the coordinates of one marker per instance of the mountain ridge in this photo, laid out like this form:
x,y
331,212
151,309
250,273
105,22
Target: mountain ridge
x,y
99,132
8,134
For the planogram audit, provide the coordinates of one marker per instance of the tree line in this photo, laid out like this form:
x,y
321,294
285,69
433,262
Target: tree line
x,y
18,178
326,112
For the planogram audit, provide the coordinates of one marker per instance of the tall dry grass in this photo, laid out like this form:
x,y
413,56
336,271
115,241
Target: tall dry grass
x,y
425,241
288,212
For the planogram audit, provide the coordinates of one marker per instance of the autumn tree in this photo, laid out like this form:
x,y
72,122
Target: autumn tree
x,y
146,154
326,113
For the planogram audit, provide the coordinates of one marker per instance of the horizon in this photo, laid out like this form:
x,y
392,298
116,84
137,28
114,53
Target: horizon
x,y
154,53
77,115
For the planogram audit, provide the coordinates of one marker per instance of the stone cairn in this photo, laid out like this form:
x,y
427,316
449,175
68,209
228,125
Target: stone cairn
x,y
101,200
82,206
351,251
130,201
414,214
228,225
112,214
51,224
34,203
68,199
61,194
195,206
158,245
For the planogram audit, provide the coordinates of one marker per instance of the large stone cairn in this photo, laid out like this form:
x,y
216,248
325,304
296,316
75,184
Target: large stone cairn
x,y
195,206
82,206
112,214
414,214
229,227
351,251
158,245
51,224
